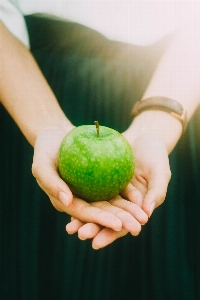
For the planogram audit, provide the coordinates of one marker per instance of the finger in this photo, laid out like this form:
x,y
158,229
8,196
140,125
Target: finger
x,y
89,231
157,189
74,226
58,205
106,236
87,213
132,194
128,221
131,208
43,169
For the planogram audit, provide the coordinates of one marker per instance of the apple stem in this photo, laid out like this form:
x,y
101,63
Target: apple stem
x,y
97,127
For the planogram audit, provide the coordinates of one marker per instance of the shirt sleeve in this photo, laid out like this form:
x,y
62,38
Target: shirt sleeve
x,y
14,21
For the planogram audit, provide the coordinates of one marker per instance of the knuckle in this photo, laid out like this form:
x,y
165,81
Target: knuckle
x,y
104,205
122,214
55,204
97,215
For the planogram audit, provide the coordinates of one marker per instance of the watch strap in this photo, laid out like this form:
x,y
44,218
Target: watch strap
x,y
162,103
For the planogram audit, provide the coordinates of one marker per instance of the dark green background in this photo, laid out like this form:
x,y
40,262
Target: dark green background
x,y
95,79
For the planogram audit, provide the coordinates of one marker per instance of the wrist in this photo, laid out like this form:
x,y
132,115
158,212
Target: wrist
x,y
62,127
155,123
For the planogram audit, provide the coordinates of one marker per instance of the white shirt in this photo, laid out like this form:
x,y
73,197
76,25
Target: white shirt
x,y
134,22
14,21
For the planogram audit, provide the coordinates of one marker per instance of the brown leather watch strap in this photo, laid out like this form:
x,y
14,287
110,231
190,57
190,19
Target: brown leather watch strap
x,y
162,103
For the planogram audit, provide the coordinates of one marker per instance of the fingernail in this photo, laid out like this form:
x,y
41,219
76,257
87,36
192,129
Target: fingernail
x,y
95,248
151,208
64,198
82,239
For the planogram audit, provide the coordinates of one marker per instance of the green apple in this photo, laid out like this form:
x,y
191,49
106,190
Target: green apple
x,y
96,162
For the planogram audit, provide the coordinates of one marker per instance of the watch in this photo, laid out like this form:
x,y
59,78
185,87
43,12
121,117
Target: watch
x,y
168,105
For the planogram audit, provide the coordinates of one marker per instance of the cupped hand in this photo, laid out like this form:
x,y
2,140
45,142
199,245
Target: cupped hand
x,y
147,190
130,214
152,170
112,215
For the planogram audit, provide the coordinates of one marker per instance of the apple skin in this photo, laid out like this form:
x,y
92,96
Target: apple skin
x,y
95,167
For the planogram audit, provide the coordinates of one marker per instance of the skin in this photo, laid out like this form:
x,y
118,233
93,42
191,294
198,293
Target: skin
x,y
44,125
147,190
177,76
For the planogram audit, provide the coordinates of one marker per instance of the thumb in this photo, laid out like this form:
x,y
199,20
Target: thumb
x,y
50,182
157,189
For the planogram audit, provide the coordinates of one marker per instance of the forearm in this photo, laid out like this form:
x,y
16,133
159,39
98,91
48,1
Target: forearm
x,y
178,77
24,91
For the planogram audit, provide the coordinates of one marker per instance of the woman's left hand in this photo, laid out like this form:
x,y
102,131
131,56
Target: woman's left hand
x,y
146,191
